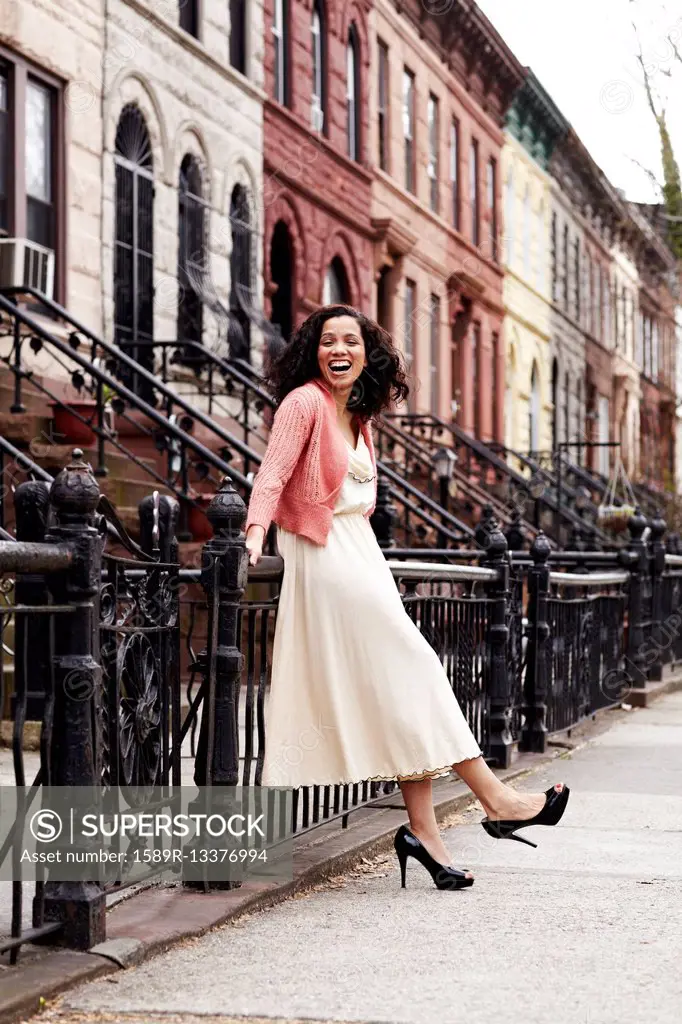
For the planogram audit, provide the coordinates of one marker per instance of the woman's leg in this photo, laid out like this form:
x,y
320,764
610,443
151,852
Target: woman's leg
x,y
497,798
418,797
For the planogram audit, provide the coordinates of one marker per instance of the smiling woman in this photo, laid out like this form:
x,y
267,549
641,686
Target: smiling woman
x,y
357,692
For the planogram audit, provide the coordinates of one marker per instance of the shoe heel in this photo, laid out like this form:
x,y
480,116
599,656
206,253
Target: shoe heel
x,y
520,839
402,858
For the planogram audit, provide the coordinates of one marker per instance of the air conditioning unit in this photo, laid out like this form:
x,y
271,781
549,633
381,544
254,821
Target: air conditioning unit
x,y
316,117
25,264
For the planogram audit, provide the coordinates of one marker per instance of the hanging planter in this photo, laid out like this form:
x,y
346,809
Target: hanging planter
x,y
610,514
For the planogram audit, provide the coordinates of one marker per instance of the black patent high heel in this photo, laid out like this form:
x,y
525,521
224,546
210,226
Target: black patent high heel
x,y
407,845
551,813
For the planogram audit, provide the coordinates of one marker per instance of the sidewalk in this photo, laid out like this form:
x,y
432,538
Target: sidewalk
x,y
587,929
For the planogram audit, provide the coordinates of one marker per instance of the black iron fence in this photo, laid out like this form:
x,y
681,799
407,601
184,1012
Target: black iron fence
x,y
529,645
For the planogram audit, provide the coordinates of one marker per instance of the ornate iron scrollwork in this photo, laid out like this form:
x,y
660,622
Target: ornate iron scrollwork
x,y
139,716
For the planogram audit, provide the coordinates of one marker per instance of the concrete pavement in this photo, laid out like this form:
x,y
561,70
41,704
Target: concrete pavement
x,y
587,929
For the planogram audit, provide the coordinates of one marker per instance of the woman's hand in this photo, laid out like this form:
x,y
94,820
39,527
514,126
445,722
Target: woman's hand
x,y
254,543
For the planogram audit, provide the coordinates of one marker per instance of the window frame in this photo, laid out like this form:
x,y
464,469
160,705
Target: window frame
x,y
353,138
434,352
476,360
455,176
241,65
383,104
195,205
318,39
554,236
527,232
491,196
190,10
19,70
433,162
474,188
408,111
280,68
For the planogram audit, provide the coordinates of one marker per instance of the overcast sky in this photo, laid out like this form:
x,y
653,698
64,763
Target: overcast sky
x,y
584,53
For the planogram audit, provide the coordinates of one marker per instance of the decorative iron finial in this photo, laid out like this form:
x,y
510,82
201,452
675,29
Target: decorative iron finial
x,y
75,491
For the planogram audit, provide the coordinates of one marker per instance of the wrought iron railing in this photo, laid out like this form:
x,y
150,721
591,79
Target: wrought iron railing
x,y
529,648
236,403
482,464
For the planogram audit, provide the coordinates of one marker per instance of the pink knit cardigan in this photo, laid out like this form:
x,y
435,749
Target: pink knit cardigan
x,y
304,465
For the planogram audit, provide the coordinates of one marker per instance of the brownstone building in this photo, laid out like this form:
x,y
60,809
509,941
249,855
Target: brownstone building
x,y
316,190
442,80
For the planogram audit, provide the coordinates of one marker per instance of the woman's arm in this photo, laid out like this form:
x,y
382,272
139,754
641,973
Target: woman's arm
x,y
290,430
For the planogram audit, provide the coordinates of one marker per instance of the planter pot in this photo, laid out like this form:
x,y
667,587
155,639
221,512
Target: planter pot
x,y
72,429
615,517
197,521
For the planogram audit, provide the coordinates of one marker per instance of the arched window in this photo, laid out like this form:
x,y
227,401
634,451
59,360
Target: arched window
x,y
241,277
134,240
281,275
319,71
353,93
238,35
335,288
189,16
191,251
534,410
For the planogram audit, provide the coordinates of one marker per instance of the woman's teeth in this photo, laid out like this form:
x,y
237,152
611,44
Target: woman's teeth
x,y
339,367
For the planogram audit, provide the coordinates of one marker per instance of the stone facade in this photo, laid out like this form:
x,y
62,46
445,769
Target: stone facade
x,y
192,100
316,197
439,287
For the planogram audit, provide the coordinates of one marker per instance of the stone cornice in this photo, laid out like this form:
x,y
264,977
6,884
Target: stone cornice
x,y
535,120
475,52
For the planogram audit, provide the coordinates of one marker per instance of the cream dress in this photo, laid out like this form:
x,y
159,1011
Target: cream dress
x,y
357,693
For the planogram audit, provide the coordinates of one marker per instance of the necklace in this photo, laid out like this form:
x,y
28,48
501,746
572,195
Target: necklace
x,y
361,479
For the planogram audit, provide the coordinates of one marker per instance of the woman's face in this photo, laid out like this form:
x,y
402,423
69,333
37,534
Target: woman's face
x,y
341,352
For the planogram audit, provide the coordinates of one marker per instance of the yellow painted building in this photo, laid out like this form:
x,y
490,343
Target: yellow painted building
x,y
534,125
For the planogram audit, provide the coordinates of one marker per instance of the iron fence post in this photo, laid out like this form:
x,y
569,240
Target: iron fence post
x,y
224,575
639,567
32,632
534,731
384,514
657,563
500,741
73,755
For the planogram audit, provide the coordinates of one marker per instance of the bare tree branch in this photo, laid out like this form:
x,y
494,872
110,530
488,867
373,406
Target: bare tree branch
x,y
645,74
650,175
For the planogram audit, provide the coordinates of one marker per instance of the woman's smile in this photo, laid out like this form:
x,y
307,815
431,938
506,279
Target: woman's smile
x,y
341,352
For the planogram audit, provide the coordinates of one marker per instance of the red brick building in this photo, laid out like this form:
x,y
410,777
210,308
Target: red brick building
x,y
316,185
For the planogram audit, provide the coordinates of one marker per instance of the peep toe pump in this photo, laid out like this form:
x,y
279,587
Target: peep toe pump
x,y
407,845
555,805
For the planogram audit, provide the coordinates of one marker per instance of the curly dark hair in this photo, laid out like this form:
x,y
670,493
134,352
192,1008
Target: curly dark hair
x,y
381,382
